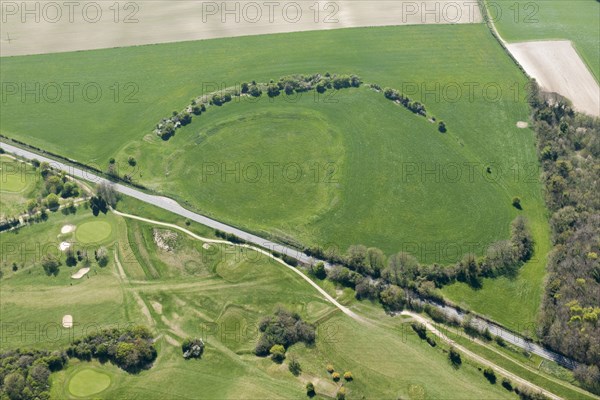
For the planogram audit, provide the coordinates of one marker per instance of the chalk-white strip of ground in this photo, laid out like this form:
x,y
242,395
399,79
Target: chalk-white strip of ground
x,y
70,28
557,67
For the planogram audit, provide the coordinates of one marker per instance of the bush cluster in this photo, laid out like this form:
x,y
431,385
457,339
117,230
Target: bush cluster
x,y
192,348
24,374
289,85
284,328
131,349
406,102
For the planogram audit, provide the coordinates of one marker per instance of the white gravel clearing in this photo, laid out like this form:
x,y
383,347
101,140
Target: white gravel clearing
x,y
63,246
67,321
67,229
81,273
522,125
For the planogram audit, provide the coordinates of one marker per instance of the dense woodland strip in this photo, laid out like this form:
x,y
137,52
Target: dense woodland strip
x,y
569,150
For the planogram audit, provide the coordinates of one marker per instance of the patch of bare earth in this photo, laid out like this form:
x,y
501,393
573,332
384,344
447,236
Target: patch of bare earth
x,y
164,239
558,68
96,25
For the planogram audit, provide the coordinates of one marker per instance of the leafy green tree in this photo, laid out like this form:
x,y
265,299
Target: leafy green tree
x,y
50,264
52,202
102,256
71,260
490,375
454,357
318,270
402,268
310,389
376,260
442,127
192,348
392,298
14,384
277,353
294,366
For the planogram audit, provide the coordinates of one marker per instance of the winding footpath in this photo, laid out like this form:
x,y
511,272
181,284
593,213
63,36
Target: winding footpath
x,y
171,205
333,301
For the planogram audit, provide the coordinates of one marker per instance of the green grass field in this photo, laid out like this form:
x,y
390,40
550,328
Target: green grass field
x,y
371,143
93,232
575,20
222,305
18,183
87,382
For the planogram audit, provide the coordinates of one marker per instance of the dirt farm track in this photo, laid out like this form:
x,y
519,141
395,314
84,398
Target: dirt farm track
x,y
54,26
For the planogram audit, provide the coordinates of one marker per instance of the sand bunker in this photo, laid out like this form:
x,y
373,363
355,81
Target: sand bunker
x,y
206,246
67,321
67,229
522,124
81,273
63,246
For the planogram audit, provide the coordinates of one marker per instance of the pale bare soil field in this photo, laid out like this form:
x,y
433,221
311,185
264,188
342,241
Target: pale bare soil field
x,y
558,68
38,27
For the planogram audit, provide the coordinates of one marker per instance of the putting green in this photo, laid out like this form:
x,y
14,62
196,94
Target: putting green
x,y
87,382
12,176
93,231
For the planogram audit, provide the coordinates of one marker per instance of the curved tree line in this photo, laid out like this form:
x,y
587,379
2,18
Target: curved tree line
x,y
287,85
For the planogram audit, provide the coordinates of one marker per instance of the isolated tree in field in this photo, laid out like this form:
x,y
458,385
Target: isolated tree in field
x,y
348,376
277,353
454,357
490,375
442,127
102,256
341,394
71,260
192,348
50,264
132,161
335,376
294,366
516,202
310,389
